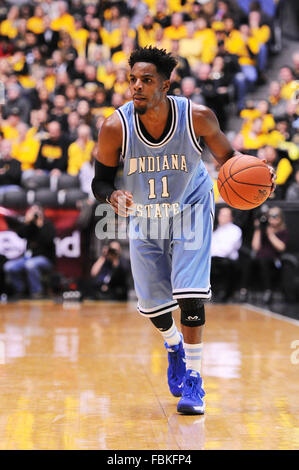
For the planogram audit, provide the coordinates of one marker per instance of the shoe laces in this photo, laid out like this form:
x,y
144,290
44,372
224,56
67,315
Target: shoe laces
x,y
192,388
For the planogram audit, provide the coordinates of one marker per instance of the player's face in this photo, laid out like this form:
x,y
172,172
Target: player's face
x,y
146,86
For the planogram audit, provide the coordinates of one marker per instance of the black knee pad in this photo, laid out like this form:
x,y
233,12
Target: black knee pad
x,y
192,312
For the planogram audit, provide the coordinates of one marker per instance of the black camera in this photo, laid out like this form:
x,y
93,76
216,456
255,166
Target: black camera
x,y
112,251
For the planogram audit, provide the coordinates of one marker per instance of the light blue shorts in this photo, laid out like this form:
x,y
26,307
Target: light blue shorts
x,y
171,260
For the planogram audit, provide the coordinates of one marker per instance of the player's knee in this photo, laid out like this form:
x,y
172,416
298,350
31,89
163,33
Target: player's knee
x,y
192,312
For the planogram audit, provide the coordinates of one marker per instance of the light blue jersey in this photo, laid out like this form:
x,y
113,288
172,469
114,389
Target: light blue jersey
x,y
168,180
165,175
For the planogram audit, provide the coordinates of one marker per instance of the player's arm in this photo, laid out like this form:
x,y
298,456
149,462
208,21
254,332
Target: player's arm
x,y
106,165
206,126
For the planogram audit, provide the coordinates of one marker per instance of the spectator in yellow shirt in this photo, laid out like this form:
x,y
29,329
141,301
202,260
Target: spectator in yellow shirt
x,y
262,34
191,47
254,138
64,20
79,36
9,127
288,84
25,148
207,38
80,151
147,31
9,26
177,29
36,22
246,47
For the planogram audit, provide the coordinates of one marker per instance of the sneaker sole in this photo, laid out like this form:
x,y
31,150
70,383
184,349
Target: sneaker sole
x,y
190,411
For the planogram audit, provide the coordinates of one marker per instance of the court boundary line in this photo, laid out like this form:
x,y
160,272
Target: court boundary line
x,y
269,313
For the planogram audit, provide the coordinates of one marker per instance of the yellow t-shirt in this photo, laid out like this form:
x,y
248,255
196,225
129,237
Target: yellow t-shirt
x,y
64,22
9,132
254,142
283,171
26,152
262,34
175,33
147,37
78,155
8,29
208,41
114,38
191,49
104,77
235,44
79,38
288,89
120,57
36,25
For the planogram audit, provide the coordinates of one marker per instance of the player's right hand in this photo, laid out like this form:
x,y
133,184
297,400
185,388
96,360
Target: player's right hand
x,y
122,202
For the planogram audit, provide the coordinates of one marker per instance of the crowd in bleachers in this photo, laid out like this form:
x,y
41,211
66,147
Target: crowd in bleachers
x,y
63,70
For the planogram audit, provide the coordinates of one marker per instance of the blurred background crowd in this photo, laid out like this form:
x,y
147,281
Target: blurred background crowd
x,y
63,70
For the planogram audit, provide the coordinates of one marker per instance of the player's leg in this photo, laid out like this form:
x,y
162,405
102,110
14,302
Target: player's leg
x,y
173,342
191,264
151,269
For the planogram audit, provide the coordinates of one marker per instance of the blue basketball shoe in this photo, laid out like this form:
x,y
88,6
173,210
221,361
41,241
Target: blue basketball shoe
x,y
176,367
192,402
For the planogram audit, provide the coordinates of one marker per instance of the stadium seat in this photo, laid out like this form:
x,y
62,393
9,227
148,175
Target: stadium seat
x,y
69,198
46,198
66,181
35,180
15,199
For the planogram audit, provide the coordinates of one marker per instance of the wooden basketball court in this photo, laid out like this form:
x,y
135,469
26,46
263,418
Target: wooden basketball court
x,y
93,376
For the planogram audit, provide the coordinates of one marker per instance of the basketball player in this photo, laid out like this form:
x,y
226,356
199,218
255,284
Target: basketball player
x,y
158,138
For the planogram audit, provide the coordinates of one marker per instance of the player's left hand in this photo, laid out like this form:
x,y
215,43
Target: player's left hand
x,y
273,174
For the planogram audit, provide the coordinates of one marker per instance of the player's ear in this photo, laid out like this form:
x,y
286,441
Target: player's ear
x,y
166,85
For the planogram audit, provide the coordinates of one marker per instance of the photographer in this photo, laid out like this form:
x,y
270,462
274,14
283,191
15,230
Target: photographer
x,y
39,256
268,243
110,274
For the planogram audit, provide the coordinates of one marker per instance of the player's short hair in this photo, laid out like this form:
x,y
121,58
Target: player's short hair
x,y
164,61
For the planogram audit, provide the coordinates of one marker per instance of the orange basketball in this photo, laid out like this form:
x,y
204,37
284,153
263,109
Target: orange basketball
x,y
244,182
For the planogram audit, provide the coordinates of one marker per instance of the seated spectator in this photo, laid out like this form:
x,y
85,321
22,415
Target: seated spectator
x,y
245,46
208,39
10,169
190,47
254,138
73,121
190,91
281,163
292,193
276,101
288,83
109,274
48,39
58,112
226,242
25,148
9,127
295,60
146,31
39,256
79,151
268,243
262,33
15,100
52,156
177,30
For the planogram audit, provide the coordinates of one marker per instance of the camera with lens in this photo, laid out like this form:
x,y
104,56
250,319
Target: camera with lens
x,y
112,252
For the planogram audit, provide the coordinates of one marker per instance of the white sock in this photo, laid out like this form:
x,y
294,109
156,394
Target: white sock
x,y
193,354
171,336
